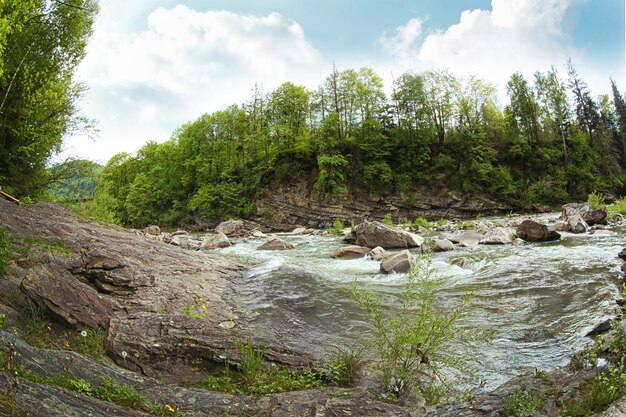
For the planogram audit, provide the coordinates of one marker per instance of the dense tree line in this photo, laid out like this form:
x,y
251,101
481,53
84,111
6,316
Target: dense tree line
x,y
554,142
41,44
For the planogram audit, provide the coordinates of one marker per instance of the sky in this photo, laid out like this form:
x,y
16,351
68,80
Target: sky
x,y
153,65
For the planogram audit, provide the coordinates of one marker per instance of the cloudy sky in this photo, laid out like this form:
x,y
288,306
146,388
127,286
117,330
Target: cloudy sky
x,y
153,65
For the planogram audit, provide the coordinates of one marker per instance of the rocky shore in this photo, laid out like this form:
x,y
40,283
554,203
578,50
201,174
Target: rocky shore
x,y
137,288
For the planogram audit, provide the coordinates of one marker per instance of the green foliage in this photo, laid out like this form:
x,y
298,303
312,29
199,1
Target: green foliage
x,y
618,207
343,367
89,342
421,222
336,228
5,249
251,359
597,394
196,309
388,220
522,404
596,200
3,321
41,45
331,177
435,130
414,344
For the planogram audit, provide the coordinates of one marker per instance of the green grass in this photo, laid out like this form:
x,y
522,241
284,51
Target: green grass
x,y
5,250
618,207
336,228
522,404
597,394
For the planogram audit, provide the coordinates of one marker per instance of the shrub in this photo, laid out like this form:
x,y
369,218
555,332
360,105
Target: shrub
x,y
336,228
522,404
5,250
414,344
618,207
596,200
344,367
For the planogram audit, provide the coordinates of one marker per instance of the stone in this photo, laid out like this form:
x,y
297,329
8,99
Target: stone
x,y
466,237
531,231
180,233
275,243
152,230
622,254
376,254
460,262
441,245
576,224
589,215
71,301
397,263
233,228
351,252
600,328
499,236
216,241
372,234
300,231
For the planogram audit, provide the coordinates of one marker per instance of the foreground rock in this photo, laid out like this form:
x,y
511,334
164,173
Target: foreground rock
x,y
531,231
467,237
351,252
373,234
397,263
441,245
275,243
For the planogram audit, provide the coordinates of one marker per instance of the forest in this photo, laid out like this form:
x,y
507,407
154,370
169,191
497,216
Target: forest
x,y
553,143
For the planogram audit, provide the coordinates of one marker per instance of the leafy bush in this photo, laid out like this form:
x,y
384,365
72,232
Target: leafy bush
x,y
388,220
596,200
522,404
344,367
618,207
415,344
336,228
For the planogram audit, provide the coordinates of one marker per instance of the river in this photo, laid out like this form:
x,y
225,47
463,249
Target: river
x,y
540,298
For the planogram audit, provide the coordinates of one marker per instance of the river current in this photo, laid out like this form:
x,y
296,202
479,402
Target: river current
x,y
540,298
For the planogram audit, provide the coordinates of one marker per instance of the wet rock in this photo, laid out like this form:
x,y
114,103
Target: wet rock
x,y
600,328
531,231
376,254
576,224
441,245
499,236
589,215
275,243
233,228
397,263
216,241
372,234
466,238
351,252
72,301
457,261
302,231
622,254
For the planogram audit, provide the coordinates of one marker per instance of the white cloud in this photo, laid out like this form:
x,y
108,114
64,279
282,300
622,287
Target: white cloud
x,y
145,83
403,42
515,35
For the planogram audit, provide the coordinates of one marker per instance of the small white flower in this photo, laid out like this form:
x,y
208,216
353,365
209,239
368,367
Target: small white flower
x,y
124,354
83,333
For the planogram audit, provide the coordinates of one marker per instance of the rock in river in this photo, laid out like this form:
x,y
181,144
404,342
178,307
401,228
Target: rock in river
x,y
372,234
351,252
275,243
397,263
531,231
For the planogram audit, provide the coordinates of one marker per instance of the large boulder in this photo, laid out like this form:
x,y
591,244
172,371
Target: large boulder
x,y
372,234
588,214
441,245
397,263
275,243
351,252
233,228
216,241
531,231
499,236
466,237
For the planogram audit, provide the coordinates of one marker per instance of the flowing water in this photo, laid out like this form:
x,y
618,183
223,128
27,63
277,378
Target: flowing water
x,y
541,298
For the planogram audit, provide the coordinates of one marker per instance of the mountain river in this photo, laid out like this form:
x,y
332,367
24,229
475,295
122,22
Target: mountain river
x,y
540,298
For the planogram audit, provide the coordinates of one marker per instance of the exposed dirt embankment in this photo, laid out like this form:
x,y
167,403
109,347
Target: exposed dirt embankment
x,y
285,206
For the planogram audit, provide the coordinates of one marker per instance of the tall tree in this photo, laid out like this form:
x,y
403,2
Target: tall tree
x,y
41,44
586,108
620,109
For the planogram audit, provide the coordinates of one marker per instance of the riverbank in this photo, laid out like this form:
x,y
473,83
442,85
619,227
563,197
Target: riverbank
x,y
140,292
